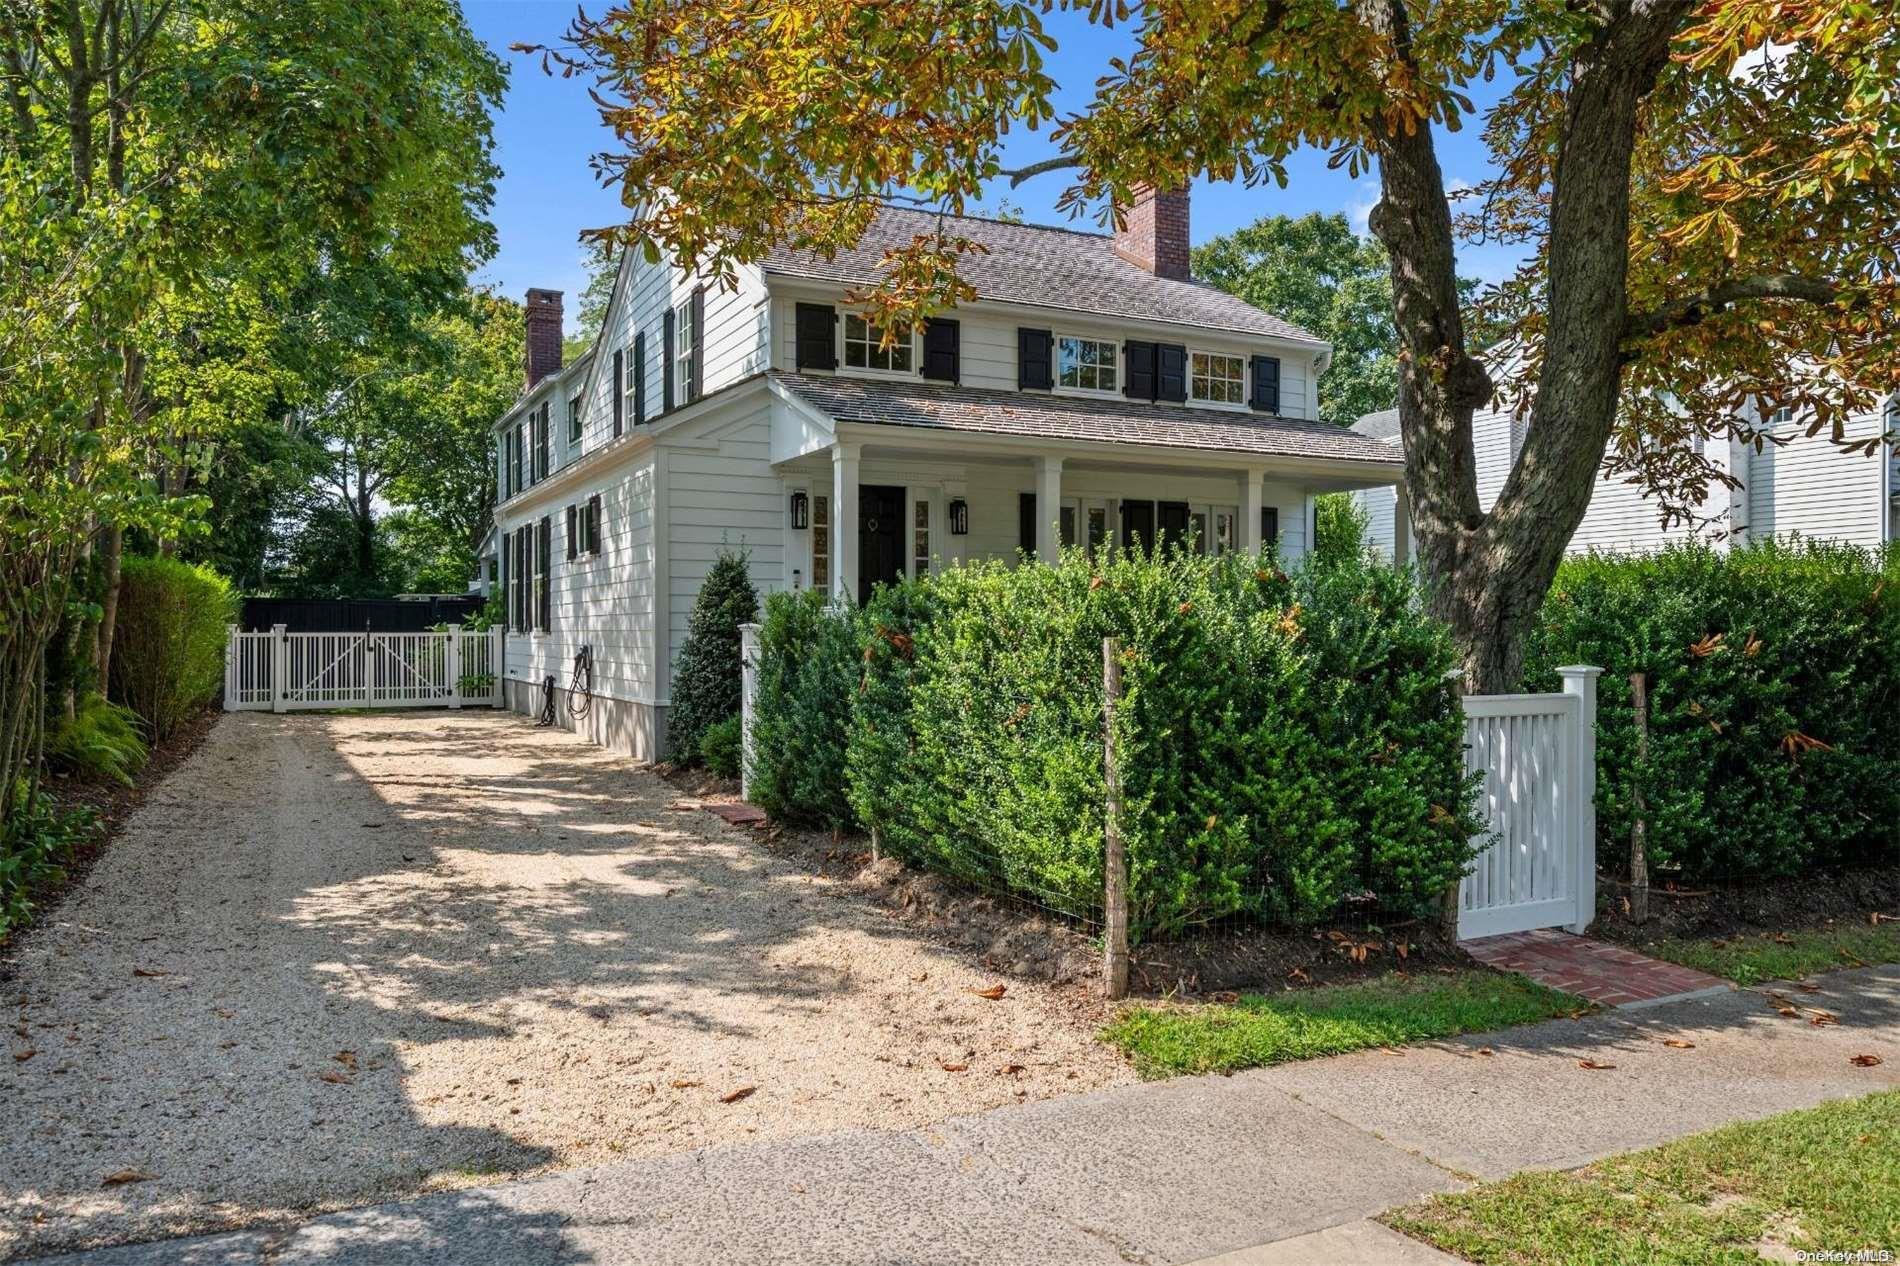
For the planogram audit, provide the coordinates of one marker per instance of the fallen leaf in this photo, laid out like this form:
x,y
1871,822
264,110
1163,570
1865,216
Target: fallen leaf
x,y
1680,1043
1790,1012
1865,1061
1593,1064
1824,1017
224,1013
992,993
20,1057
684,1084
119,1177
150,971
1297,974
335,1076
1403,949
1010,1070
345,1058
1485,1050
954,1068
921,977
1226,997
733,1096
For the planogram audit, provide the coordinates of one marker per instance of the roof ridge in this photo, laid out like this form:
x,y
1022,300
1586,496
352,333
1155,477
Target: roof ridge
x,y
991,219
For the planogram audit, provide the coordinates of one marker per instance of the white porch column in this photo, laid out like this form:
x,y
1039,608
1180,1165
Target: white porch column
x,y
1252,502
844,520
1401,526
748,693
1048,508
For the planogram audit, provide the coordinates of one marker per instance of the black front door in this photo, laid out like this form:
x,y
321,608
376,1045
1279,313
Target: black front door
x,y
880,537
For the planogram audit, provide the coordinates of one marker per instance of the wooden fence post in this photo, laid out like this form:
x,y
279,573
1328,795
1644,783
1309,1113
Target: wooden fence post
x,y
452,664
1639,825
233,667
1114,854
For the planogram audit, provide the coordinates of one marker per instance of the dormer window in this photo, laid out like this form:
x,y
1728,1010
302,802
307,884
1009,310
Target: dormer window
x,y
1087,364
1216,378
864,347
685,350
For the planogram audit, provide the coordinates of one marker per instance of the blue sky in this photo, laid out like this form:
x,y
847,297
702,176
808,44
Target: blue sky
x,y
549,129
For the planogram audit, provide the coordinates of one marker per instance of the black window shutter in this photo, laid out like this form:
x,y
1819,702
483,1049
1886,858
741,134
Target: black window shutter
x,y
1269,525
526,547
941,338
666,361
697,387
1139,357
1266,384
1170,371
1026,522
573,541
640,378
620,379
815,336
543,564
593,524
1033,348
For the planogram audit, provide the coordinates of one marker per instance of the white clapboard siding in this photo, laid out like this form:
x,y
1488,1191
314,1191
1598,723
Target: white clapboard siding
x,y
987,346
1809,486
603,601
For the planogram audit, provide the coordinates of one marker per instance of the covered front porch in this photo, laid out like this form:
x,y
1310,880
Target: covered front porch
x,y
879,507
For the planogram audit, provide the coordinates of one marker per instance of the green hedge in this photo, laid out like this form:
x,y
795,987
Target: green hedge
x,y
1774,697
1286,743
169,640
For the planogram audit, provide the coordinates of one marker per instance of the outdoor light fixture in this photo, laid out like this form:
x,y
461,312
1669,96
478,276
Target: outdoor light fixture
x,y
801,510
959,517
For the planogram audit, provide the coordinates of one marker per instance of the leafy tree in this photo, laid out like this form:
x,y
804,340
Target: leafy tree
x,y
173,176
706,678
1320,275
591,312
1702,234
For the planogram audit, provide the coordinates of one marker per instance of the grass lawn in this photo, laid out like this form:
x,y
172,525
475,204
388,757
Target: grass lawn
x,y
1751,959
1825,1179
1170,1039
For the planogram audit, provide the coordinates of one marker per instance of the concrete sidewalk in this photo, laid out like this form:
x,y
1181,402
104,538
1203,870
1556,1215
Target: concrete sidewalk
x,y
1162,1173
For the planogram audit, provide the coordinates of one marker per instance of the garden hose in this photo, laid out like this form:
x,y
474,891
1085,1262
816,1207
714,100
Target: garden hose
x,y
547,700
580,687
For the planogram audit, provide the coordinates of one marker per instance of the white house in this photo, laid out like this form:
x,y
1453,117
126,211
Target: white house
x,y
1805,485
1092,389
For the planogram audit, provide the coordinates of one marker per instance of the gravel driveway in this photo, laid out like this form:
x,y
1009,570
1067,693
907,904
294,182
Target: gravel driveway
x,y
336,959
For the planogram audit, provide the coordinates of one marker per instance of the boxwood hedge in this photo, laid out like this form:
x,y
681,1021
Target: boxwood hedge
x,y
1286,743
1774,703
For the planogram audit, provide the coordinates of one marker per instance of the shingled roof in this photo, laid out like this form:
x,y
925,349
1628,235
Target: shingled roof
x,y
1045,266
943,408
1383,425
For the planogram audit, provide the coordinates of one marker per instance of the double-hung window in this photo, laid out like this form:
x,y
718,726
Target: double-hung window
x,y
574,421
864,347
685,350
541,443
1087,364
1217,378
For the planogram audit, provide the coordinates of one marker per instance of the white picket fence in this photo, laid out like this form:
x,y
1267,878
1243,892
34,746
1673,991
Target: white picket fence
x,y
281,671
1536,866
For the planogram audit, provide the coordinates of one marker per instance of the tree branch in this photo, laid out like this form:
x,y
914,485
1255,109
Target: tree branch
x,y
1693,308
1020,174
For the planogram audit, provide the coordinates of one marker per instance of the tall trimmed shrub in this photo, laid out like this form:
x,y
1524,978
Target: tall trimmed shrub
x,y
169,640
707,677
808,676
1286,743
1774,703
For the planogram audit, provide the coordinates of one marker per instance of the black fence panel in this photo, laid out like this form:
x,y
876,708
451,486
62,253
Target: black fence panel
x,y
341,615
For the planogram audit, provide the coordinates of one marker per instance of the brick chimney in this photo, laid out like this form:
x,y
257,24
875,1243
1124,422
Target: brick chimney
x,y
1154,232
544,334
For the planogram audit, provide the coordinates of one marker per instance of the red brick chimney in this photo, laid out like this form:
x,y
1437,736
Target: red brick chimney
x,y
544,334
1154,232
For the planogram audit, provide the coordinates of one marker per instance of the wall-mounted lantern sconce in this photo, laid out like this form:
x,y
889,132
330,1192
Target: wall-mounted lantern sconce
x,y
959,517
801,510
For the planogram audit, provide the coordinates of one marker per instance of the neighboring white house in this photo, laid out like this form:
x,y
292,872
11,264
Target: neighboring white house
x,y
1806,486
1092,389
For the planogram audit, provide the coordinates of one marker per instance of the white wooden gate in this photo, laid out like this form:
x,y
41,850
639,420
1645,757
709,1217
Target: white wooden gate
x,y
1536,867
281,671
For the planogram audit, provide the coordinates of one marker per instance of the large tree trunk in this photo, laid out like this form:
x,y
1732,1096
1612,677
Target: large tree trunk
x,y
1489,572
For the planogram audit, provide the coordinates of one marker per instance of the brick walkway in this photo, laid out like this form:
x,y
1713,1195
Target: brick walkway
x,y
1603,973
